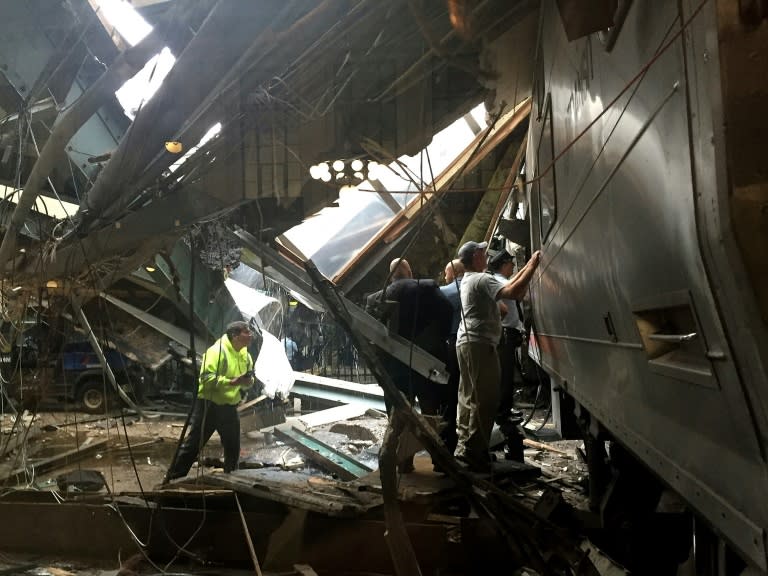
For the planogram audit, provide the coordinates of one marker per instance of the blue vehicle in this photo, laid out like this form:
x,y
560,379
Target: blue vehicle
x,y
73,373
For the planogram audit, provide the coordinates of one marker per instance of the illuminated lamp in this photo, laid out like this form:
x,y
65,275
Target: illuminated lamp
x,y
174,147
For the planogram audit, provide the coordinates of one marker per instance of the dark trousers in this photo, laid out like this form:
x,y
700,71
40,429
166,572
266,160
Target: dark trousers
x,y
208,417
449,404
414,386
507,350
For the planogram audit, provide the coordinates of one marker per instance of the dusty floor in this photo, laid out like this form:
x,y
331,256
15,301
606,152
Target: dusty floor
x,y
153,440
139,450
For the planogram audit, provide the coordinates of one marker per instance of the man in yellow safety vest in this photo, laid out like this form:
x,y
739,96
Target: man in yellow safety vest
x,y
227,368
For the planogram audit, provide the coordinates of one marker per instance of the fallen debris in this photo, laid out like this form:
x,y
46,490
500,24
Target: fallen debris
x,y
330,415
37,467
292,488
325,456
542,446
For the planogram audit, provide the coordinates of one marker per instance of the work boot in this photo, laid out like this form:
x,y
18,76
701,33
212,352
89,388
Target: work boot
x,y
474,463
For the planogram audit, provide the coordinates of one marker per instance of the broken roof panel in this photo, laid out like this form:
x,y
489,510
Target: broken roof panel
x,y
255,304
334,236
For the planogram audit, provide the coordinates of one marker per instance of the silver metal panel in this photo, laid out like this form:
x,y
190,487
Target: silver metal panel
x,y
368,395
173,332
626,247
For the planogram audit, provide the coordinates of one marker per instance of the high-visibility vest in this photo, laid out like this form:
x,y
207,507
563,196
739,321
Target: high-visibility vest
x,y
221,365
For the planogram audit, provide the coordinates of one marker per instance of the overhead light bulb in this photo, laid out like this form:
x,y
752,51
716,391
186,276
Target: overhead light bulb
x,y
51,284
359,175
373,169
149,268
174,147
323,167
338,165
326,177
357,165
316,172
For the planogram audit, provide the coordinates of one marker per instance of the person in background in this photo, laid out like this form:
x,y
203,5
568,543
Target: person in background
x,y
454,271
227,368
477,338
291,350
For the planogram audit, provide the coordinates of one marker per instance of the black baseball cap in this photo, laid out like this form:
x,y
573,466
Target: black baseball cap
x,y
468,250
501,257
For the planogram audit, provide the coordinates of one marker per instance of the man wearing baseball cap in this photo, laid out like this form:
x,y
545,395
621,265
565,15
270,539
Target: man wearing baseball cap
x,y
476,346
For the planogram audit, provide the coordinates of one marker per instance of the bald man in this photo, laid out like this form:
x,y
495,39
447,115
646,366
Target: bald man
x,y
454,269
423,316
399,269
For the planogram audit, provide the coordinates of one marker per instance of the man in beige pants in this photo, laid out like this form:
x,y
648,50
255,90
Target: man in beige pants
x,y
478,336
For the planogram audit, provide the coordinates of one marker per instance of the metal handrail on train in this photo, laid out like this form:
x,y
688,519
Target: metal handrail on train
x,y
677,338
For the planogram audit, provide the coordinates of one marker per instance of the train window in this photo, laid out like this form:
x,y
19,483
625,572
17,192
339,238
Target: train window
x,y
609,35
546,181
672,339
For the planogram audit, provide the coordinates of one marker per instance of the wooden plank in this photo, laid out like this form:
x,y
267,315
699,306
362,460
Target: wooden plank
x,y
326,502
251,403
542,446
396,535
249,541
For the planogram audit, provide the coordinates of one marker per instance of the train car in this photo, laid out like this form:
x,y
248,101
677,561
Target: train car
x,y
647,192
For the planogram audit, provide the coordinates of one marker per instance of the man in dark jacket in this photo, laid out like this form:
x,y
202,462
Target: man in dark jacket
x,y
423,316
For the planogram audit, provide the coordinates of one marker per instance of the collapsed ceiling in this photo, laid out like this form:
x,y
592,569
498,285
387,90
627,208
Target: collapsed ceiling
x,y
291,84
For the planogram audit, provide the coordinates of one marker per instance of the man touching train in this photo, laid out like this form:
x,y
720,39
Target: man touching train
x,y
476,346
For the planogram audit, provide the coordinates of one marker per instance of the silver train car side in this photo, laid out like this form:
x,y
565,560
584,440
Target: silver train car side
x,y
651,302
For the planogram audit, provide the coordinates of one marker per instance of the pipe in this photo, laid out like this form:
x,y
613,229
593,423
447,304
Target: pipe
x,y
200,77
270,50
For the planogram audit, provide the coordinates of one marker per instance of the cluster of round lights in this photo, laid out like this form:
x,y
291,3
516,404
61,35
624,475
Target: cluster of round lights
x,y
338,170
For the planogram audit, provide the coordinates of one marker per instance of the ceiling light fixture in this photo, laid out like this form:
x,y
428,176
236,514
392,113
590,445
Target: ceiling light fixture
x,y
346,172
174,147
